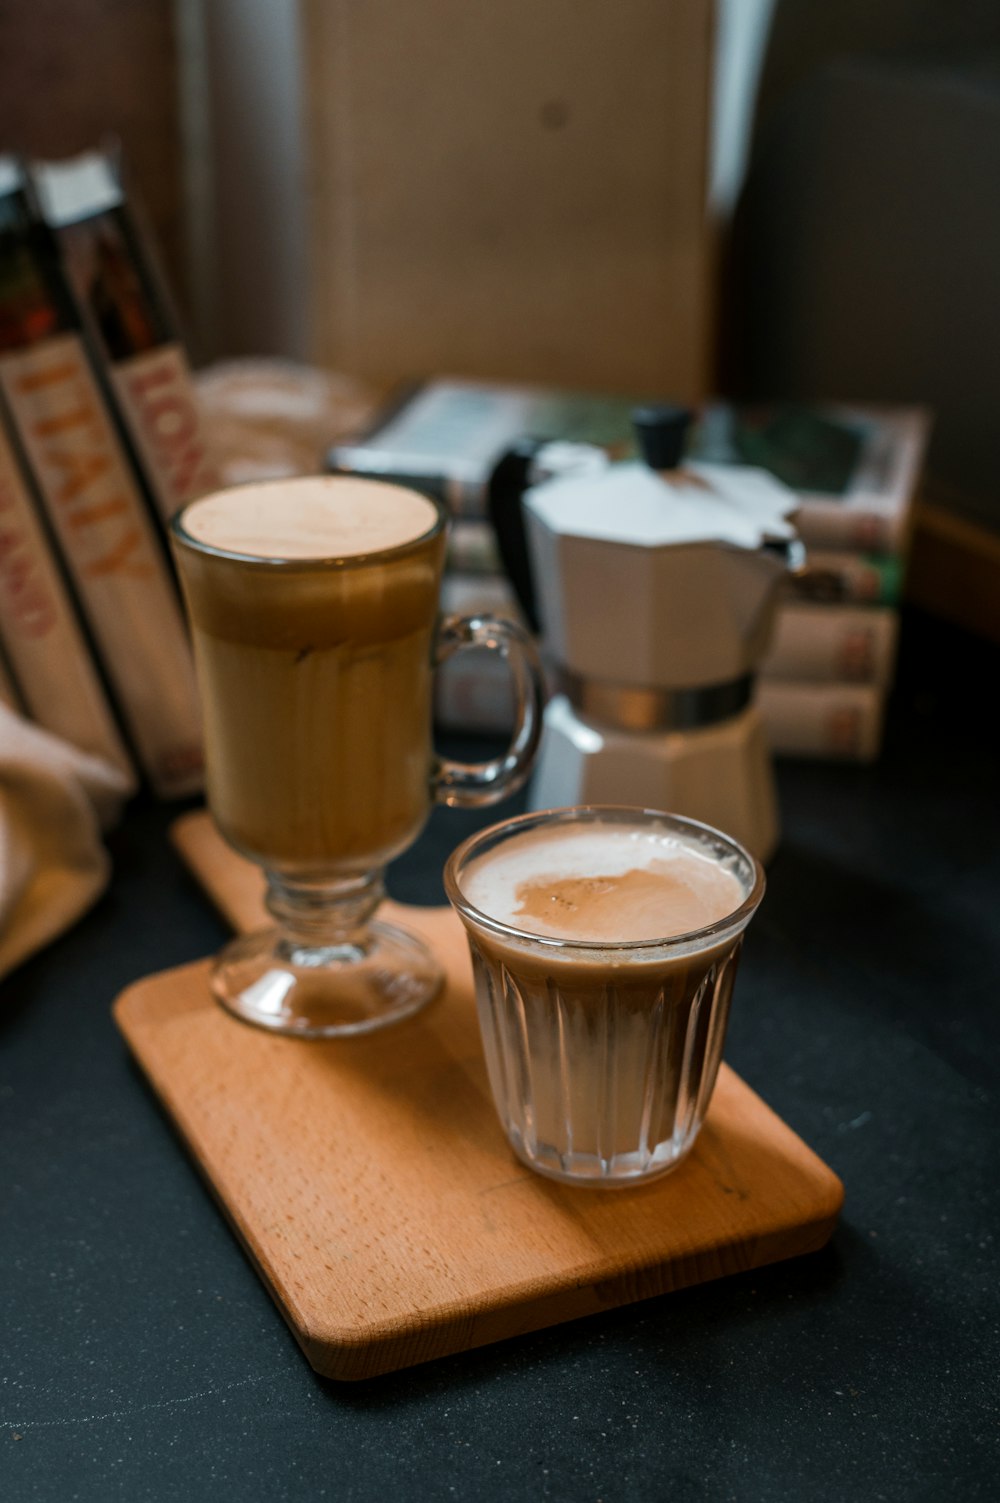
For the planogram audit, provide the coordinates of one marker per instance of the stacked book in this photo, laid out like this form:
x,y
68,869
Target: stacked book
x,y
856,469
100,442
823,688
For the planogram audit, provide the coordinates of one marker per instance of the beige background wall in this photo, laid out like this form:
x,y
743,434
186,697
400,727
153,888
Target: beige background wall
x,y
510,190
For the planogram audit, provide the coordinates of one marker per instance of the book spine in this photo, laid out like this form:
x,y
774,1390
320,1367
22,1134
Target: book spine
x,y
44,643
122,306
157,399
111,551
838,525
840,722
873,513
834,577
833,643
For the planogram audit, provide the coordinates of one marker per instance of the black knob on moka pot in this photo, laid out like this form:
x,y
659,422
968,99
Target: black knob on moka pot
x,y
661,430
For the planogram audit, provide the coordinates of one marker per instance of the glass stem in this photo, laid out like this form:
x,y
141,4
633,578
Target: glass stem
x,y
322,915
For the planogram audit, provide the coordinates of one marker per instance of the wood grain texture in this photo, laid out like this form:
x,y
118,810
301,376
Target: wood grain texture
x,y
373,1188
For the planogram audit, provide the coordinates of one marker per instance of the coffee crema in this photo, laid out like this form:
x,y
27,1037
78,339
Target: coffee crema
x,y
610,884
321,517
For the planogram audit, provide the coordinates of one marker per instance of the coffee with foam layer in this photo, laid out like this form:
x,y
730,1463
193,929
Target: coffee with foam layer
x,y
611,884
604,944
312,605
321,517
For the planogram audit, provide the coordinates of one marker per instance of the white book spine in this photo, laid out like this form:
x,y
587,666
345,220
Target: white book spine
x,y
838,577
112,553
44,644
156,394
842,722
835,525
833,643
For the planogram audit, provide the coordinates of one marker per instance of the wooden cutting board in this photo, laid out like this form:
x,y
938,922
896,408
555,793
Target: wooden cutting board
x,y
370,1182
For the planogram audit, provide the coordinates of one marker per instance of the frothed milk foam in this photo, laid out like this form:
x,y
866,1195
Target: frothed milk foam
x,y
312,630
593,883
318,518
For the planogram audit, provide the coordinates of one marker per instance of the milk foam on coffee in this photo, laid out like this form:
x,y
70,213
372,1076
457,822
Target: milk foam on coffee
x,y
608,883
319,517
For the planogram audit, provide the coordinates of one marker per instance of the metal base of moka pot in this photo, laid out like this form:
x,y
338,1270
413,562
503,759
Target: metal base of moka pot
x,y
719,773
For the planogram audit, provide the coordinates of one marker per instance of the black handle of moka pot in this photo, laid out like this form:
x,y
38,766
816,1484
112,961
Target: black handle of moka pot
x,y
510,478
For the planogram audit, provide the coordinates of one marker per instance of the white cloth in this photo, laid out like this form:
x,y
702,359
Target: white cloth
x,y
54,803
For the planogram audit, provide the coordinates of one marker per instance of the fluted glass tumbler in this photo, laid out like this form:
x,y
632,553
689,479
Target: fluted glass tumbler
x,y
603,1056
313,607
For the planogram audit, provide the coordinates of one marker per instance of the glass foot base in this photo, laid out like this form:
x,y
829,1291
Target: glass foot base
x,y
326,991
625,1171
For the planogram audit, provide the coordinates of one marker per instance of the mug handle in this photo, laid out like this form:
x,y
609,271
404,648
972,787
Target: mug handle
x,y
469,785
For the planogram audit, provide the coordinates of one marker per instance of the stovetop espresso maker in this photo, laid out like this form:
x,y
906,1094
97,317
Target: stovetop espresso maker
x,y
654,584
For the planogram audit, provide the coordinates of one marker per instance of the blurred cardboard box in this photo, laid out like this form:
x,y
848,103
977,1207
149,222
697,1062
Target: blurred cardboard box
x,y
515,191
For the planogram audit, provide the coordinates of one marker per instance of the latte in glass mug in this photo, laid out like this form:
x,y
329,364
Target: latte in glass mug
x,y
312,620
313,605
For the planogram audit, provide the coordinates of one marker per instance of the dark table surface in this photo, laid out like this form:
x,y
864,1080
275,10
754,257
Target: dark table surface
x,y
141,1358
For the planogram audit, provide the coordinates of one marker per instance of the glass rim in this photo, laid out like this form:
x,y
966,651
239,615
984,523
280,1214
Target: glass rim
x,y
698,939
332,561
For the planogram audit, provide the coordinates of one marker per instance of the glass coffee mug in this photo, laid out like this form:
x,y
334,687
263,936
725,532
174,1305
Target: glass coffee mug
x,y
313,608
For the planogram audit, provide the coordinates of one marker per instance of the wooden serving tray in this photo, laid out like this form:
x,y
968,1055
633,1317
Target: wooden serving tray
x,y
371,1184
